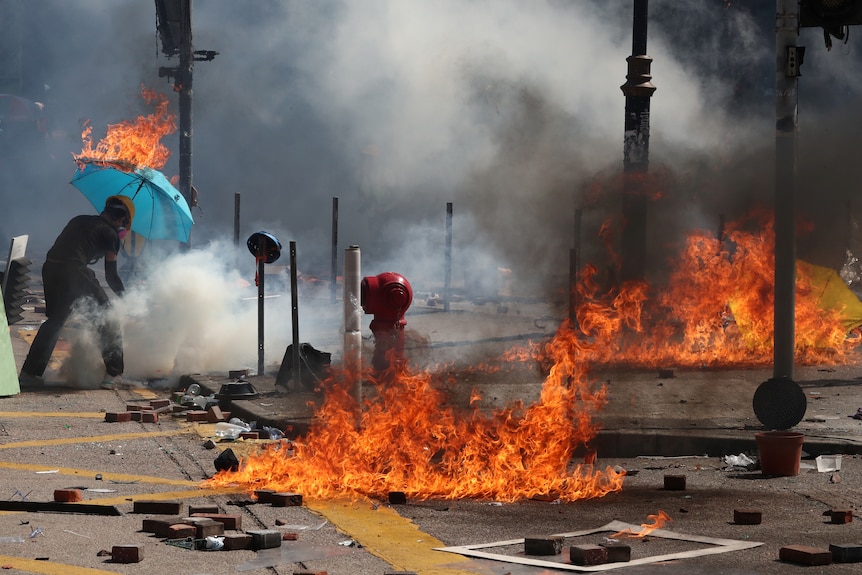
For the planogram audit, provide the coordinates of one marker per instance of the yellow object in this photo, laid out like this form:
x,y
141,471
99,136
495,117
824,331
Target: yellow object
x,y
833,293
126,201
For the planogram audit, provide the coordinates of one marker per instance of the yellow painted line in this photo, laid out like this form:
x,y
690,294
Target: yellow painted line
x,y
79,414
387,535
48,567
93,438
120,477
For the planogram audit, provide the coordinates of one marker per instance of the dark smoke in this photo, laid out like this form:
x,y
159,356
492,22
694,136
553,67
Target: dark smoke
x,y
396,107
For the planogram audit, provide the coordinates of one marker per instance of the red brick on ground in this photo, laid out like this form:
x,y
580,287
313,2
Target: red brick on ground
x,y
232,522
118,417
180,531
234,541
127,553
149,417
68,495
196,415
194,509
804,555
285,499
157,507
214,414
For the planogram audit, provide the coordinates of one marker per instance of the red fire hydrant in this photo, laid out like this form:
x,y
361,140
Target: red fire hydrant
x,y
387,296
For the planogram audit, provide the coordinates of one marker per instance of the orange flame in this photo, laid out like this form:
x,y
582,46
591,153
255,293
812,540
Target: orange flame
x,y
133,144
658,521
716,309
407,441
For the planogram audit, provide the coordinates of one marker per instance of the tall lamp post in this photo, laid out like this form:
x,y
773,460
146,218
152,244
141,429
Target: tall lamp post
x,y
638,89
175,31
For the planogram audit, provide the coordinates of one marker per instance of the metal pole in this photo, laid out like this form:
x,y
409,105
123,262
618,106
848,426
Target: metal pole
x,y
261,247
786,100
185,89
236,219
574,267
352,284
447,283
294,316
333,279
638,89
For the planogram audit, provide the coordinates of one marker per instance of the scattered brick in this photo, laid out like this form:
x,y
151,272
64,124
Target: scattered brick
x,y
159,527
263,495
846,552
180,531
674,482
545,497
805,555
127,553
135,415
118,417
249,435
179,408
841,516
196,415
285,499
588,555
288,536
133,407
747,516
207,527
265,539
160,403
149,417
397,498
543,545
617,552
237,373
194,509
158,507
68,495
233,541
232,522
214,414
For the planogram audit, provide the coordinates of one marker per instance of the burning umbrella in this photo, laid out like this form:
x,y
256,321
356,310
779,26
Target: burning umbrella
x,y
161,212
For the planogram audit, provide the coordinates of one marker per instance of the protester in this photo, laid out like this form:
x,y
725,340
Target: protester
x,y
68,280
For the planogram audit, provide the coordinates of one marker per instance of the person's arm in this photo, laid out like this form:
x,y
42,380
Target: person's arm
x,y
111,275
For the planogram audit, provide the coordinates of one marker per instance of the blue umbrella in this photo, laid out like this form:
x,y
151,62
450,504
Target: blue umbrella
x,y
161,211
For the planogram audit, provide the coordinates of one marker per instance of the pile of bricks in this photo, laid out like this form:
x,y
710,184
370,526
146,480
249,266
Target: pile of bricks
x,y
585,555
143,413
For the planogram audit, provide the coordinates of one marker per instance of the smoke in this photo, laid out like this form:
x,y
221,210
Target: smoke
x,y
512,111
196,312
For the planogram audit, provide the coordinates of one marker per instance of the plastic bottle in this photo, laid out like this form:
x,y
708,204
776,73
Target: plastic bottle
x,y
194,389
228,430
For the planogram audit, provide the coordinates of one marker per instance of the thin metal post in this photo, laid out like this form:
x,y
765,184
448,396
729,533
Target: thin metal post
x,y
294,315
236,218
333,274
261,261
786,100
447,282
184,79
638,90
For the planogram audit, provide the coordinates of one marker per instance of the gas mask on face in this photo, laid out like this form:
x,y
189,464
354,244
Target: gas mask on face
x,y
122,232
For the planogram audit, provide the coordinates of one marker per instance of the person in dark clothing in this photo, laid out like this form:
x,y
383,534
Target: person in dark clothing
x,y
67,278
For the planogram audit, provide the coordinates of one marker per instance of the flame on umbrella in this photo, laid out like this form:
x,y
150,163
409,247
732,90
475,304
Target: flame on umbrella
x,y
133,144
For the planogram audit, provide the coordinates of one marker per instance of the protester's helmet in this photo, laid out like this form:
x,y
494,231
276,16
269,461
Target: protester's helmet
x,y
122,202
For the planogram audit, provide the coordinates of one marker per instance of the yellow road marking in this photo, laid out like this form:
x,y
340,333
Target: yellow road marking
x,y
70,414
48,567
121,477
92,438
387,535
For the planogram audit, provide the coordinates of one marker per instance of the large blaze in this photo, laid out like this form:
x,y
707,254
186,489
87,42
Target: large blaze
x,y
407,440
716,310
133,144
